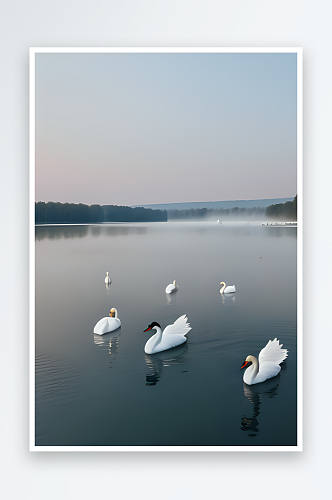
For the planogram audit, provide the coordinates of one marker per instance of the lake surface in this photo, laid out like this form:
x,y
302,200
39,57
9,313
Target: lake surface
x,y
96,390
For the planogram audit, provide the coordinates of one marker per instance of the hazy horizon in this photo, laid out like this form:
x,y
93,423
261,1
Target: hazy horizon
x,y
158,128
276,200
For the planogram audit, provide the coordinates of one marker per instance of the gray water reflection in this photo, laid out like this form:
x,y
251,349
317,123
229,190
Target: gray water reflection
x,y
142,260
58,232
156,362
256,394
109,342
171,298
281,232
227,300
54,232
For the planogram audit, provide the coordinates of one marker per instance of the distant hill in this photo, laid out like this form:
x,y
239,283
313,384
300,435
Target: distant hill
x,y
217,204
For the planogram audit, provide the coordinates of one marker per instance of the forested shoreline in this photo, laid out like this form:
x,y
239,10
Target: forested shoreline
x,y
71,213
283,211
218,213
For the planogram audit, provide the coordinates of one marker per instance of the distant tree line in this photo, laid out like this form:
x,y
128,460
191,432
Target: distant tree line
x,y
52,212
114,213
218,213
283,211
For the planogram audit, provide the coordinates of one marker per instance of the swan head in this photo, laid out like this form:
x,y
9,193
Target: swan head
x,y
247,362
113,312
223,283
174,282
153,325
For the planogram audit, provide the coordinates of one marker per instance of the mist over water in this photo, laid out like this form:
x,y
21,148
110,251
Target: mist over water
x,y
105,391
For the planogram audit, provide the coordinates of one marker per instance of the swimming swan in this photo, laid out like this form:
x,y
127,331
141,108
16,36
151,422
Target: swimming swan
x,y
108,324
227,289
267,365
108,279
172,336
171,288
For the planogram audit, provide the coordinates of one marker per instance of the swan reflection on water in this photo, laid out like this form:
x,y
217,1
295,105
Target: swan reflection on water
x,y
256,393
109,342
156,362
170,297
228,300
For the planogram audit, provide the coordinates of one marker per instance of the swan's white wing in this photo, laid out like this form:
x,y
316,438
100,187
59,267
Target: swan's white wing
x,y
166,343
179,327
272,352
267,370
106,325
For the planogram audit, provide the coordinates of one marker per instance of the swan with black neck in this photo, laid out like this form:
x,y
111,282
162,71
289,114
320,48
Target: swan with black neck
x,y
172,336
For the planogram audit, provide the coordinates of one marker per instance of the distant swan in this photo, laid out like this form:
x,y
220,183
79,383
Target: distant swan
x,y
108,324
172,336
227,289
108,279
171,288
267,365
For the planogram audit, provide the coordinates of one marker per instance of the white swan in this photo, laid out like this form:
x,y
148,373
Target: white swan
x,y
172,336
227,289
171,288
108,279
267,365
108,324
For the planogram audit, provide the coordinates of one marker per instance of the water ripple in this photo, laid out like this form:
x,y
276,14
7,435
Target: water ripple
x,y
56,381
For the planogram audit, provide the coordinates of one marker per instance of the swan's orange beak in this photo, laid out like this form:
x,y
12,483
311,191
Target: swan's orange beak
x,y
246,363
148,328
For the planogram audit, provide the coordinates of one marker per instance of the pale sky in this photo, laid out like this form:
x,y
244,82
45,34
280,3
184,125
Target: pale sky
x,y
130,129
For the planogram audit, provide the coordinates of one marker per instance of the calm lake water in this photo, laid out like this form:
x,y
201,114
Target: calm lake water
x,y
96,390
